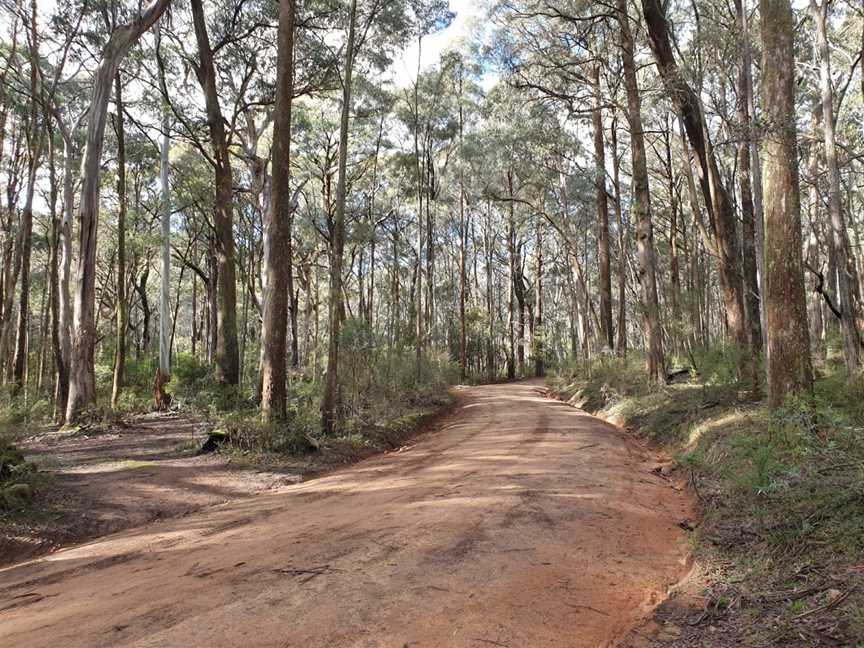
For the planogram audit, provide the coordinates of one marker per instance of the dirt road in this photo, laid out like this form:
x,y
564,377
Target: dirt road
x,y
521,522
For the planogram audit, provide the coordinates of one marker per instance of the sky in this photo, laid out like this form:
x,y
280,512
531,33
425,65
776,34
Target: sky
x,y
405,66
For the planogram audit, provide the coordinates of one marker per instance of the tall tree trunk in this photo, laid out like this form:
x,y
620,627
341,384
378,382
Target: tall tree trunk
x,y
755,164
194,332
430,245
512,280
605,280
720,207
815,303
489,241
82,380
845,293
789,369
274,328
165,325
674,268
50,330
121,315
748,218
539,332
212,302
64,296
4,85
463,242
227,354
621,344
54,287
330,401
419,332
654,356
35,139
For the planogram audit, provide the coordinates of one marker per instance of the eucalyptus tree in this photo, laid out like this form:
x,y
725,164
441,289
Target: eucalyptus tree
x,y
789,366
750,182
714,188
227,354
164,369
277,237
557,51
82,383
373,30
120,305
654,356
35,144
838,237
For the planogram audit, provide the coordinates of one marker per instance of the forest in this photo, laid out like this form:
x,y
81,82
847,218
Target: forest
x,y
310,229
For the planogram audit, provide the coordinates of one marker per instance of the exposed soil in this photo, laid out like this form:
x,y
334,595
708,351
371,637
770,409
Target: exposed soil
x,y
519,521
100,481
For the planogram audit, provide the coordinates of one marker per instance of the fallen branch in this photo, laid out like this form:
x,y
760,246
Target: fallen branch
x,y
585,607
489,641
822,608
309,573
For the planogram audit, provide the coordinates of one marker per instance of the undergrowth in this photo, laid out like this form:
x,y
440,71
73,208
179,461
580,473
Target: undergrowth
x,y
781,493
384,396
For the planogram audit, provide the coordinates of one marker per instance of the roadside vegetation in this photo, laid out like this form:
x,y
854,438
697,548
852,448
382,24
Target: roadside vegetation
x,y
780,538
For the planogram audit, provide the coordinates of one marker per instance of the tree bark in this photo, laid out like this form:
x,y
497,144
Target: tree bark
x,y
814,304
511,301
54,288
674,267
539,334
463,243
10,244
64,296
621,344
165,325
274,328
789,368
755,164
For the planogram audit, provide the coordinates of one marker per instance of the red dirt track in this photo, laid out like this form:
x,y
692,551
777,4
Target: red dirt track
x,y
520,522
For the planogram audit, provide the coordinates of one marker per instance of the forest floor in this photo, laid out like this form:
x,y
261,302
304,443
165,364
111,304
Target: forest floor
x,y
515,521
93,481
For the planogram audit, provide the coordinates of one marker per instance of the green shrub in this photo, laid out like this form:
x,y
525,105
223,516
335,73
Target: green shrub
x,y
14,468
18,416
718,366
11,460
194,387
249,434
605,380
14,496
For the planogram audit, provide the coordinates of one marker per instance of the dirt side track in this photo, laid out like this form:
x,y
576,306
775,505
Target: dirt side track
x,y
521,522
